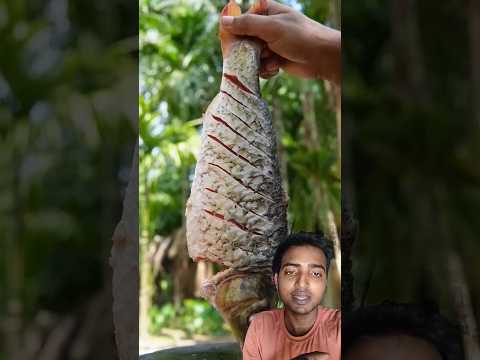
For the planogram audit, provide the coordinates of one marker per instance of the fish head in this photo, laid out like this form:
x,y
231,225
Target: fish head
x,y
238,295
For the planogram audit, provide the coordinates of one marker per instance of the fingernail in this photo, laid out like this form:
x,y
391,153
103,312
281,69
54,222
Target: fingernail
x,y
227,20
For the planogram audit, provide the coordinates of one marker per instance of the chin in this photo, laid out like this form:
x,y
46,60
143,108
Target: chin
x,y
301,310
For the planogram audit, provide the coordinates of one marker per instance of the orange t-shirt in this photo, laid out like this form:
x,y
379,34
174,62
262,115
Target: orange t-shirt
x,y
268,338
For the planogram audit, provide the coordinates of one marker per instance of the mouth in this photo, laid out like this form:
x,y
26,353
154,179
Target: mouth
x,y
300,298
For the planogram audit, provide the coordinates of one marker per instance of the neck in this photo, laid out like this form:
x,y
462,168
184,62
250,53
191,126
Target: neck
x,y
300,324
243,62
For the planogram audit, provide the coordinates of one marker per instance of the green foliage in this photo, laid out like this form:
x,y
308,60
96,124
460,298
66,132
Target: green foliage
x,y
164,169
64,153
194,317
180,65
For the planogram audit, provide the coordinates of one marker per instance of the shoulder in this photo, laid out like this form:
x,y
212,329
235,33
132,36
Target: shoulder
x,y
268,316
259,331
329,314
266,319
331,320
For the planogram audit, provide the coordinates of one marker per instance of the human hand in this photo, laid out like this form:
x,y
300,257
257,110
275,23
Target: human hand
x,y
294,42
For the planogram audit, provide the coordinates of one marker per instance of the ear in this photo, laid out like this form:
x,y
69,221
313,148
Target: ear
x,y
275,280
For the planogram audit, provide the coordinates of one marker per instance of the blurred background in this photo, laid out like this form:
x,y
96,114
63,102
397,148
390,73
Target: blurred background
x,y
180,72
411,137
68,110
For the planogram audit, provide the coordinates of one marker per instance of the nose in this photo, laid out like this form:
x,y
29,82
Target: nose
x,y
302,279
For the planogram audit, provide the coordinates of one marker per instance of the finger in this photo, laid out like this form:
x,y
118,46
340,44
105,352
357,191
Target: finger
x,y
299,70
268,68
266,53
263,27
268,75
271,63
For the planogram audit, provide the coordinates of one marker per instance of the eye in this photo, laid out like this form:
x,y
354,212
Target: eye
x,y
289,272
317,274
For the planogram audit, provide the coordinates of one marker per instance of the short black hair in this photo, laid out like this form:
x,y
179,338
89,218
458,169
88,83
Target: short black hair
x,y
302,239
422,321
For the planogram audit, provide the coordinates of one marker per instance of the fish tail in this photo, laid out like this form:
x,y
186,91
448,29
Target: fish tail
x,y
259,7
226,38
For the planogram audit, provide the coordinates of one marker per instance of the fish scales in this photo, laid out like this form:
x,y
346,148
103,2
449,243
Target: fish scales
x,y
239,165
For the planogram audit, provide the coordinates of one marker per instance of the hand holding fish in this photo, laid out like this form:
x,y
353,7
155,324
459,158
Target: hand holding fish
x,y
294,43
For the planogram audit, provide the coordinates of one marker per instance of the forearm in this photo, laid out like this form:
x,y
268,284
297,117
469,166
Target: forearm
x,y
327,53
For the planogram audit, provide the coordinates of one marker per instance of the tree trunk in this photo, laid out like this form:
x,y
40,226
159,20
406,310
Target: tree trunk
x,y
411,76
124,260
184,271
310,133
325,219
336,14
333,234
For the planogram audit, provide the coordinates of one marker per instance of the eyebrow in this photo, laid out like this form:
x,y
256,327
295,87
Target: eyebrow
x,y
310,265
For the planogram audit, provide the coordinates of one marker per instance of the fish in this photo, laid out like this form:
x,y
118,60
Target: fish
x,y
236,214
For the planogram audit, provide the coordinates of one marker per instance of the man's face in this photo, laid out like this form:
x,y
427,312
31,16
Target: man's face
x,y
302,278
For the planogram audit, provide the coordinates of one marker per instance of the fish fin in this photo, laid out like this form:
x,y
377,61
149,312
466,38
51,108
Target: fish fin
x,y
260,7
226,38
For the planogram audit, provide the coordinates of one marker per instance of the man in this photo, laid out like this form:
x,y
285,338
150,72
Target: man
x,y
302,329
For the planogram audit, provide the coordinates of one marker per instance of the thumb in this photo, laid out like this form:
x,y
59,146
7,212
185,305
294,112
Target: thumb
x,y
261,26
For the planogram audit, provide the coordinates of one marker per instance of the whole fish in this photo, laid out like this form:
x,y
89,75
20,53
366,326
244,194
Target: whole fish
x,y
236,213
